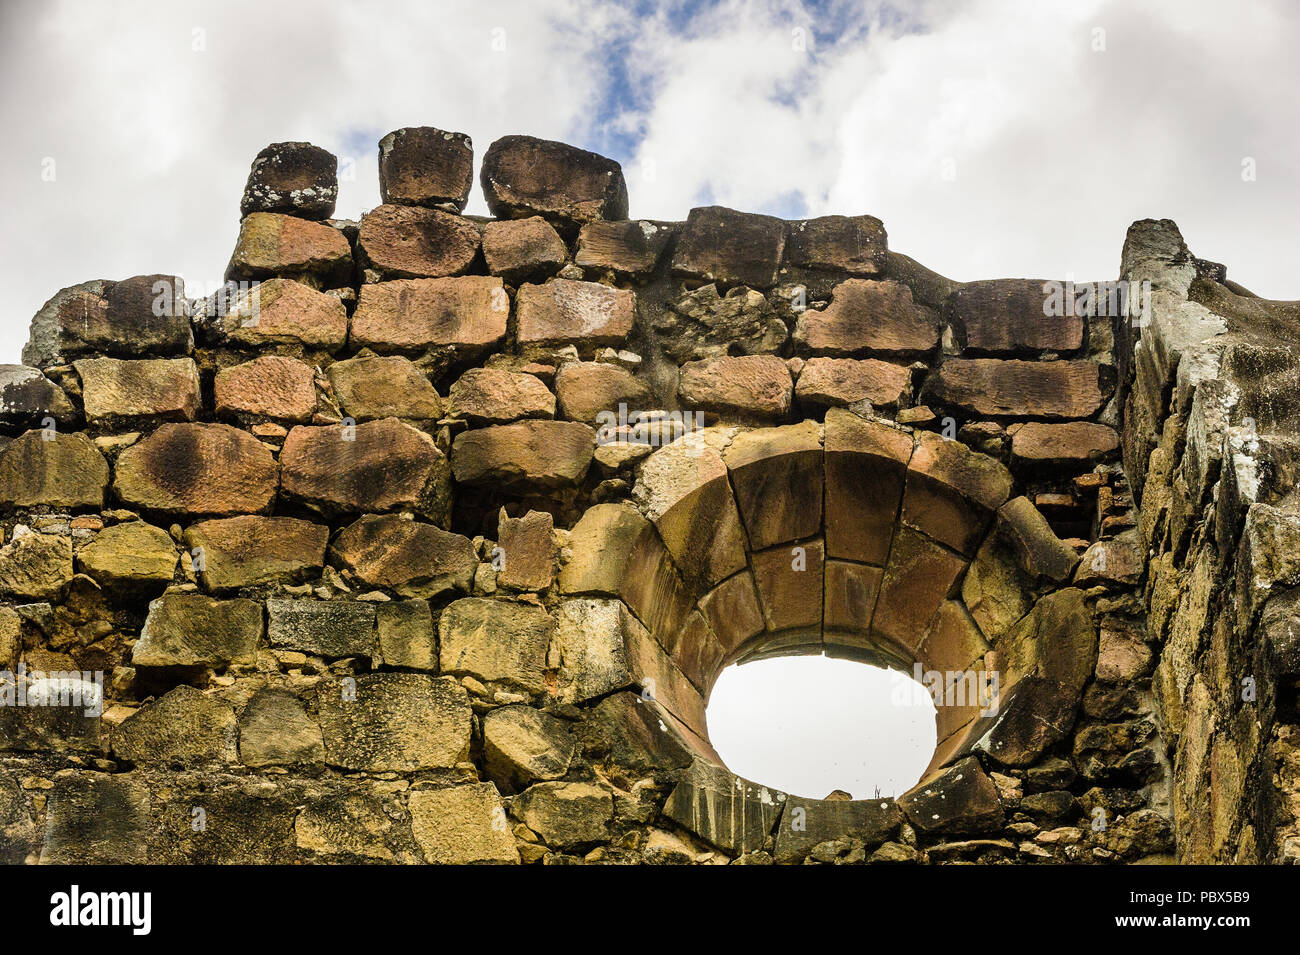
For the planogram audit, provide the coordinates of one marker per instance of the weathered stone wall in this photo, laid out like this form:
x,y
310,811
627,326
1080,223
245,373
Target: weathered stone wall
x,y
427,541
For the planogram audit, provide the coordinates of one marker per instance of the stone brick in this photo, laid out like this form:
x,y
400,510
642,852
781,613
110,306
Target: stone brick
x,y
117,391
369,387
267,387
627,248
283,312
990,387
789,579
920,575
565,312
744,387
589,649
853,244
381,465
961,800
1071,445
408,242
728,812
496,396
296,179
822,820
326,628
405,636
35,566
191,630
837,382
523,249
566,814
777,476
599,545
97,819
393,722
27,397
1008,316
197,469
522,745
407,314
523,176
271,245
275,730
586,388
733,612
423,166
67,471
408,557
1057,640
866,464
1033,715
534,454
496,641
850,596
869,317
142,315
528,551
952,492
130,557
734,248
249,550
461,825
183,727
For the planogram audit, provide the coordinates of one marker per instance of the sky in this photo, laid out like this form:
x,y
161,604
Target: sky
x,y
995,138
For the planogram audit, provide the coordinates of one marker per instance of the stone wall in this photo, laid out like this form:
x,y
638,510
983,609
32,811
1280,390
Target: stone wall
x,y
426,539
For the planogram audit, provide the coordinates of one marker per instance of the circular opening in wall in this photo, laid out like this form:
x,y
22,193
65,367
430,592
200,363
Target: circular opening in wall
x,y
811,725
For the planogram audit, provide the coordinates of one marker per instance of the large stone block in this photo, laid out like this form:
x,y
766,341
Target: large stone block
x,y
733,611
920,575
497,396
1014,316
991,387
522,745
737,388
1071,445
850,598
197,469
275,730
462,825
808,822
114,390
268,387
528,454
130,558
733,814
381,465
28,398
961,800
777,476
54,469
1057,640
1033,544
296,179
952,492
866,464
869,317
370,387
271,245
405,636
97,819
423,166
589,649
734,248
393,722
566,815
496,641
409,557
466,312
326,628
409,242
522,249
183,727
836,382
627,248
281,311
523,176
35,565
584,389
248,550
191,630
528,551
567,312
853,244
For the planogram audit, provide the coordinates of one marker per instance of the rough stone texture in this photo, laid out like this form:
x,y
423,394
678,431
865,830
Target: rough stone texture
x,y
1071,444
734,248
59,470
184,727
805,823
297,179
267,387
496,396
1011,316
522,249
194,630
325,628
404,634
565,312
496,641
536,454
197,469
410,314
408,242
877,317
249,550
839,382
1013,388
522,746
522,176
115,390
410,558
706,324
27,397
35,566
134,556
756,386
961,800
462,825
952,492
275,730
423,166
584,389
271,245
724,810
393,722
853,244
373,387
566,814
377,466
625,248
527,551
866,464
283,312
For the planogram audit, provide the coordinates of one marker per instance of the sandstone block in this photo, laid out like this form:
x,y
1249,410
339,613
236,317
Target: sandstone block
x,y
462,825
423,166
850,597
869,316
733,612
27,397
528,550
952,492
777,476
248,550
734,248
789,580
393,722
407,242
567,312
1071,445
409,557
748,386
183,727
496,641
271,245
296,179
990,387
405,636
523,176
522,745
704,324
1036,548
728,812
822,820
408,314
280,311
496,396
853,244
35,566
130,557
267,387
67,471
836,382
920,575
326,628
627,248
866,465
523,249
589,649
534,454
114,390
961,800
371,387
586,388
275,730
1010,316
193,630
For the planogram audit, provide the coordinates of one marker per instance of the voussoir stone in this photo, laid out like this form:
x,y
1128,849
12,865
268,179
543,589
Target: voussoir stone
x,y
244,551
837,382
372,386
468,311
953,491
197,469
271,244
424,166
393,722
268,387
496,641
777,477
130,556
523,176
568,312
142,315
498,396
743,387
723,809
56,469
807,822
994,387
1010,316
404,242
539,454
735,248
586,388
280,311
381,465
869,316
409,557
520,249
195,630
297,179
114,389
857,245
